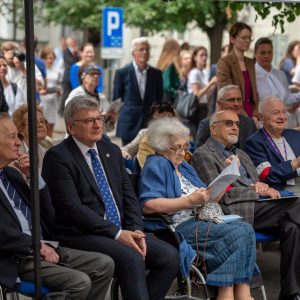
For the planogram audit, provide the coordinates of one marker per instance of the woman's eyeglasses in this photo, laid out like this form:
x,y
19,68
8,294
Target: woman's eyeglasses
x,y
178,149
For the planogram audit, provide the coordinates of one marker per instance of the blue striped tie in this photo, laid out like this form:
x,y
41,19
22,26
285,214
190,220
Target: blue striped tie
x,y
14,195
103,186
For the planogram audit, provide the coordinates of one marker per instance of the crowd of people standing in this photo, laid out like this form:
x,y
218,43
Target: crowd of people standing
x,y
247,112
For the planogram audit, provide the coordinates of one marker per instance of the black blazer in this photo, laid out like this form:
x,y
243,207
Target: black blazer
x,y
132,114
13,242
75,195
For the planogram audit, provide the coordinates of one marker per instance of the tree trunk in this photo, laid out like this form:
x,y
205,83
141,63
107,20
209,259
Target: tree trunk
x,y
215,35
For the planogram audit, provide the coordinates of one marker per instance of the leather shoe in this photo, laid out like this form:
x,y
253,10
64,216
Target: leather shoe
x,y
283,296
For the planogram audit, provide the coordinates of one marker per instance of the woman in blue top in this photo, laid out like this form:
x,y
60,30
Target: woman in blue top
x,y
87,55
170,185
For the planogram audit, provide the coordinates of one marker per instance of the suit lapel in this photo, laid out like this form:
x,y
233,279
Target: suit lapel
x,y
8,206
134,80
80,160
271,148
237,69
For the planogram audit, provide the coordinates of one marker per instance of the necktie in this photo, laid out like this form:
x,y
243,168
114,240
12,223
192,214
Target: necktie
x,y
103,186
14,196
231,150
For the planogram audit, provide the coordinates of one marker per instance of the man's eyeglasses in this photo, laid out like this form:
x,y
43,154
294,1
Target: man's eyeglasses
x,y
232,100
228,123
142,49
178,149
90,121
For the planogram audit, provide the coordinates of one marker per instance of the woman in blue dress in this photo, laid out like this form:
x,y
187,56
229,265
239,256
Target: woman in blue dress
x,y
170,185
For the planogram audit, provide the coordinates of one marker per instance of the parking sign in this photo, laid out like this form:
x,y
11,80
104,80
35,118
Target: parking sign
x,y
112,33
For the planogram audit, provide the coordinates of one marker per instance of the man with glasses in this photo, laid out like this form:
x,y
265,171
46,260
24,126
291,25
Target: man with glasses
x,y
82,275
97,209
274,149
229,98
242,197
138,85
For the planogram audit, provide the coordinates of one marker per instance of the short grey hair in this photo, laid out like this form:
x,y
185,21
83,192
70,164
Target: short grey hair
x,y
161,130
266,102
226,88
137,41
79,103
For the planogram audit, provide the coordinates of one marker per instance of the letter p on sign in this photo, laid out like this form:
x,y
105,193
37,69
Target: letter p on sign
x,y
113,22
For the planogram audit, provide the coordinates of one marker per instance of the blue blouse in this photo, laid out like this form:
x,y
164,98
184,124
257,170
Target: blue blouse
x,y
159,180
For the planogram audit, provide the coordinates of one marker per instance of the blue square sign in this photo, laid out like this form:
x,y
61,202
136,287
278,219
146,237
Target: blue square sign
x,y
112,27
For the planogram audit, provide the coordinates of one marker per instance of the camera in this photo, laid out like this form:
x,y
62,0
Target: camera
x,y
20,55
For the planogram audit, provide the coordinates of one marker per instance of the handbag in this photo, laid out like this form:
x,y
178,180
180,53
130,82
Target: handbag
x,y
187,105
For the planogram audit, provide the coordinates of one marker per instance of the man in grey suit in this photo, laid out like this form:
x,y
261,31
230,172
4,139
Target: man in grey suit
x,y
280,217
229,98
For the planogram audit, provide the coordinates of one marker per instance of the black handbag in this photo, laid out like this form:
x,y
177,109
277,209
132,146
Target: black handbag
x,y
187,105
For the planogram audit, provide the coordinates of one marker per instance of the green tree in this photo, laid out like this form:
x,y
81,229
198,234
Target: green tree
x,y
154,15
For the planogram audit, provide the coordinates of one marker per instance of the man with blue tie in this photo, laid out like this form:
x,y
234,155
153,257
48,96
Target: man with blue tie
x,y
97,209
82,275
138,85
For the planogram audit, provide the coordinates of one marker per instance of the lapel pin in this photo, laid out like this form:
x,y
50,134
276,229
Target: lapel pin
x,y
107,155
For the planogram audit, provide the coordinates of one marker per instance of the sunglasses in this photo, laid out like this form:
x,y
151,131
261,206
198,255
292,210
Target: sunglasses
x,y
228,123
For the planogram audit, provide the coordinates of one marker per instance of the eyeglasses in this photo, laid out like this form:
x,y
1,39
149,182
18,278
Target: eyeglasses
x,y
232,100
142,49
246,38
228,123
90,121
179,149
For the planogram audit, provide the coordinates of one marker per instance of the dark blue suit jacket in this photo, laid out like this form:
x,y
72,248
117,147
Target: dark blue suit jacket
x,y
133,113
260,151
13,242
79,210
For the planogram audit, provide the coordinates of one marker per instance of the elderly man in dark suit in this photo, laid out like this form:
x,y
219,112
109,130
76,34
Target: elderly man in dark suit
x,y
138,85
242,196
274,149
229,98
83,275
3,104
96,207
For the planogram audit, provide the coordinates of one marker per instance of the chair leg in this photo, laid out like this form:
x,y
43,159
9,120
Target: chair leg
x,y
263,291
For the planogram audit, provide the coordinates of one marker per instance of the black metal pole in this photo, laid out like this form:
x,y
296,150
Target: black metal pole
x,y
31,101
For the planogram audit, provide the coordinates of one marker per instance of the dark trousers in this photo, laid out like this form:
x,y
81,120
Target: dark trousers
x,y
283,217
162,261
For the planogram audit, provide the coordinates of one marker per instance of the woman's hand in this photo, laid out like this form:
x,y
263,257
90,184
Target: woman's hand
x,y
199,197
23,164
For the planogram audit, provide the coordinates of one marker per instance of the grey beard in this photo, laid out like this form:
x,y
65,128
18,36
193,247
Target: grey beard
x,y
232,139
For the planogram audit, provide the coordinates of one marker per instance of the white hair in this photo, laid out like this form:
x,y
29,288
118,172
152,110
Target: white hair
x,y
161,130
137,41
267,102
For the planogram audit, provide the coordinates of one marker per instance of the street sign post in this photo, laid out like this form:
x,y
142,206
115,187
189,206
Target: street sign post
x,y
112,33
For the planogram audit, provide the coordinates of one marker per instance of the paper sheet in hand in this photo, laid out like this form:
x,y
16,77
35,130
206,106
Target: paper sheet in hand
x,y
115,106
225,178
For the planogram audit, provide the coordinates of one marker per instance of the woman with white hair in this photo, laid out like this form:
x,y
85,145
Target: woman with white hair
x,y
170,185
